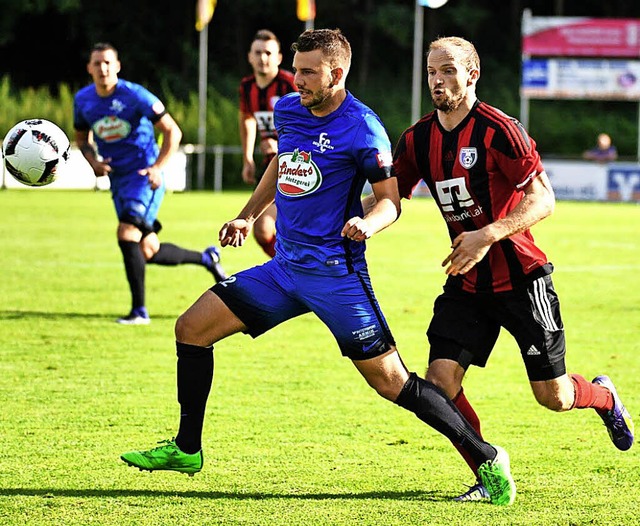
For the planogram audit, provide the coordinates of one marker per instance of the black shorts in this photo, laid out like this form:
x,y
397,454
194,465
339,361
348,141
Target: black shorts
x,y
465,327
141,225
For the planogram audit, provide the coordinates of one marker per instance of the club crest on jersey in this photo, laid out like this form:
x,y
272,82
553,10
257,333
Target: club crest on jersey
x,y
468,157
297,174
323,143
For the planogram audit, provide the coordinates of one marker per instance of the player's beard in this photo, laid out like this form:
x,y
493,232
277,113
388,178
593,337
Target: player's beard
x,y
318,99
450,103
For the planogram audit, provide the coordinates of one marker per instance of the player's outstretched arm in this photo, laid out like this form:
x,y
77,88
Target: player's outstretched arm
x,y
378,215
233,233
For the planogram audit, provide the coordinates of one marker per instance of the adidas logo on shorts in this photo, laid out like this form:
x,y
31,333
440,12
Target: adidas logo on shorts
x,y
532,351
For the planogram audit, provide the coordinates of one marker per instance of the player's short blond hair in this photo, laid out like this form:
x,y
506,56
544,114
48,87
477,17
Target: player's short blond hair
x,y
461,49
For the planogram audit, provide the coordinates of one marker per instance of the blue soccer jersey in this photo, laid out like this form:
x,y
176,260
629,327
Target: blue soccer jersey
x,y
323,164
122,125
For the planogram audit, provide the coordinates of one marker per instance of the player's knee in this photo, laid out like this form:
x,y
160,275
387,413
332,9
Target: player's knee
x,y
386,386
147,251
184,328
555,401
448,384
387,391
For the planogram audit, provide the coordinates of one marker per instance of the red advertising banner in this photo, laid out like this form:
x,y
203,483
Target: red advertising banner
x,y
581,37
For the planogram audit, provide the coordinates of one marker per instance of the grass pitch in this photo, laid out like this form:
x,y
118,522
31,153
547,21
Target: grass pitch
x,y
293,435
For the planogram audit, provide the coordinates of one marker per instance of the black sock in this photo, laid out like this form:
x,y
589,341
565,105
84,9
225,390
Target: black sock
x,y
134,266
195,376
431,405
170,254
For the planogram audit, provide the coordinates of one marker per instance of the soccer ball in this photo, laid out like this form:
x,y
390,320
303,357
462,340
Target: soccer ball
x,y
33,151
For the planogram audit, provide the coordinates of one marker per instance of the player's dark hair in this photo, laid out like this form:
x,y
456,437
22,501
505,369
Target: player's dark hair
x,y
103,46
266,35
332,42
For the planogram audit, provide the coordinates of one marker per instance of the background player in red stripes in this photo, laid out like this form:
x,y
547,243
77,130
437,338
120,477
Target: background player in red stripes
x,y
258,94
485,175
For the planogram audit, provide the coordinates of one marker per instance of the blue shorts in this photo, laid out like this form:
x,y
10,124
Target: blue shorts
x,y
135,201
266,295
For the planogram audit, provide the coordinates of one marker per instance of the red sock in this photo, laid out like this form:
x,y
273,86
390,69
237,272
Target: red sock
x,y
590,395
463,405
269,247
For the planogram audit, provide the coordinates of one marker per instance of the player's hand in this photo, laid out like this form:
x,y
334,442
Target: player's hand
x,y
468,249
249,172
101,167
153,174
233,233
356,229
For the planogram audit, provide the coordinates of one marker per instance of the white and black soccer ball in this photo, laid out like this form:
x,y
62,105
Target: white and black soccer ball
x,y
34,150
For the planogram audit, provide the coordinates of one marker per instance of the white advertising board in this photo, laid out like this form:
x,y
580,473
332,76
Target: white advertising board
x,y
552,78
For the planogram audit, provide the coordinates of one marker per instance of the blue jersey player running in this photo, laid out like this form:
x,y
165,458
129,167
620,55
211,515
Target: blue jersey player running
x,y
329,145
114,121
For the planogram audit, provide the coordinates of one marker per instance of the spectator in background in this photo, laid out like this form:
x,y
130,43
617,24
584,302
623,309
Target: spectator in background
x,y
603,152
115,123
258,94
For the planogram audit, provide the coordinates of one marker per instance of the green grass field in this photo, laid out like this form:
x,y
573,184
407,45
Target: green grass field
x,y
293,435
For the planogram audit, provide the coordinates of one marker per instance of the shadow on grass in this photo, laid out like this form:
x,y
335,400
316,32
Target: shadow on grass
x,y
41,315
118,493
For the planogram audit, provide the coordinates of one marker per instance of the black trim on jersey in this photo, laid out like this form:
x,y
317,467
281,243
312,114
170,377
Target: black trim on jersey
x,y
246,92
421,132
515,140
262,97
158,116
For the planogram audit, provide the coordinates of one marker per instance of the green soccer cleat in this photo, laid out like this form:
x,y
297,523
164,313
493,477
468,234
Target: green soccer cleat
x,y
167,456
496,478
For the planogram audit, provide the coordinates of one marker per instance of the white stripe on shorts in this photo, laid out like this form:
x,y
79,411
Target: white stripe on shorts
x,y
542,304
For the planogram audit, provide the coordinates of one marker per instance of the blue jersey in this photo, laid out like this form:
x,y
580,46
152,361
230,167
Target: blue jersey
x,y
122,124
323,164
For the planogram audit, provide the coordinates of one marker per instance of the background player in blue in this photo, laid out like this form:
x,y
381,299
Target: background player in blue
x,y
329,145
114,121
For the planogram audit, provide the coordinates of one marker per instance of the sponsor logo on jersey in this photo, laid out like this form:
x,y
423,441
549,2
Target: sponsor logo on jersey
x,y
468,157
265,121
298,175
111,129
323,143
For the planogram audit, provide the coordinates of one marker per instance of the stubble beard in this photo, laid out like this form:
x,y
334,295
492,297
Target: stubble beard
x,y
318,99
450,103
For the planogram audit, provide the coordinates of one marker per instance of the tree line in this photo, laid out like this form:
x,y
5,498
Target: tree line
x,y
45,44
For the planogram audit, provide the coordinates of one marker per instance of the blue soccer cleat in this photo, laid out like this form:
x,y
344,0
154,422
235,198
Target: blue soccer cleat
x,y
618,420
211,260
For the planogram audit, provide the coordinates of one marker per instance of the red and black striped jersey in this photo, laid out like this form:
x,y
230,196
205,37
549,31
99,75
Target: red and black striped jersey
x,y
260,101
477,174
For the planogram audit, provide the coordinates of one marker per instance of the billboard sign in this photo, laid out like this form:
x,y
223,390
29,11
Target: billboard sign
x,y
556,78
581,37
